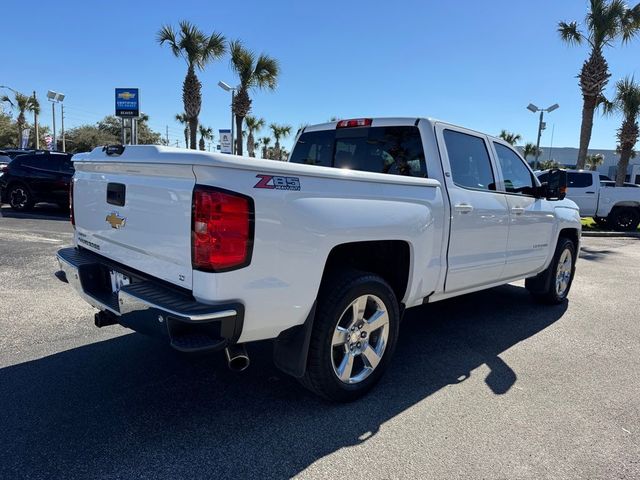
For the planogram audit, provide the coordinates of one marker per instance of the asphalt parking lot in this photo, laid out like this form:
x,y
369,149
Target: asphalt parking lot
x,y
490,385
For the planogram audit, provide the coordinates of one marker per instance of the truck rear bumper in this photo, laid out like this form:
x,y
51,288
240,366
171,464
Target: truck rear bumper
x,y
149,306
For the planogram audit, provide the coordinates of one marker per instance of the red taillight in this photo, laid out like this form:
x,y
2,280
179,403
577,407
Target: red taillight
x,y
71,217
221,231
354,122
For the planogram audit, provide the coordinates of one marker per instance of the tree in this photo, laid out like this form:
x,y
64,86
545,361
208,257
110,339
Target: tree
x,y
206,133
146,136
510,138
530,149
626,102
86,137
197,49
548,164
279,131
254,72
254,124
22,104
265,146
182,119
606,22
595,160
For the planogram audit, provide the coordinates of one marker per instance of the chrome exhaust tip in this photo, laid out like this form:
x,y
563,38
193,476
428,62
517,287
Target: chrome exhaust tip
x,y
237,357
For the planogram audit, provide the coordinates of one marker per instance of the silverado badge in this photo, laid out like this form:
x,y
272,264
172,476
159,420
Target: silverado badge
x,y
115,220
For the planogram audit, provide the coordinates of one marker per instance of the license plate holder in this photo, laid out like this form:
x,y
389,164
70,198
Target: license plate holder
x,y
118,280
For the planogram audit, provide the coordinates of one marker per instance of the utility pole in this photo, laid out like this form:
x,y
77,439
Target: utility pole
x,y
35,122
167,133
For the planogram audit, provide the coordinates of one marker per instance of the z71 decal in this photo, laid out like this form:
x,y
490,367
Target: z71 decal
x,y
278,183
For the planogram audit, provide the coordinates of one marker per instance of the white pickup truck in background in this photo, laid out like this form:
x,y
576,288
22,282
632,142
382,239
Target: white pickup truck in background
x,y
610,206
322,253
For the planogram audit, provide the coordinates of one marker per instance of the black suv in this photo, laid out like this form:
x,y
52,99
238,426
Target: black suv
x,y
36,177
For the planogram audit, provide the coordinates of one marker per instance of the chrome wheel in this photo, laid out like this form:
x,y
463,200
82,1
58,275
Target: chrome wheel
x,y
563,272
18,198
359,339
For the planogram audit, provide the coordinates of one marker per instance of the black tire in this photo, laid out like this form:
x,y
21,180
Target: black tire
x,y
602,222
543,286
625,219
334,300
20,198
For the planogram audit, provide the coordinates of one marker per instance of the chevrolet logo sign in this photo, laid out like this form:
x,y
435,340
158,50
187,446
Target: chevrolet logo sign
x,y
126,95
115,220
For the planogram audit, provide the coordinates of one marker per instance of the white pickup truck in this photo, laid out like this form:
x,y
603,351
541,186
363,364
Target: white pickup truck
x,y
322,253
610,206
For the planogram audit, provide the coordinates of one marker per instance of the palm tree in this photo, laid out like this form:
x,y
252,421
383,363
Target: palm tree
x,y
549,164
510,138
606,21
531,149
197,49
265,146
627,102
595,160
254,124
206,133
279,131
182,119
253,72
22,104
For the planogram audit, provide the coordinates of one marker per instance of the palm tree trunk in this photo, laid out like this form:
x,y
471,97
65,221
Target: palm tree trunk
x,y
239,120
201,145
186,136
192,99
588,109
193,132
250,144
623,163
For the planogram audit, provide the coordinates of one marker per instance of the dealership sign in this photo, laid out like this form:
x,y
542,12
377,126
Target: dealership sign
x,y
225,141
127,102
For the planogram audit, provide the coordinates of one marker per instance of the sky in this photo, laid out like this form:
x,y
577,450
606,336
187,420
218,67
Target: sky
x,y
475,64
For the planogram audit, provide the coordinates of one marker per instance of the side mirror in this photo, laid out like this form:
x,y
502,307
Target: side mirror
x,y
556,184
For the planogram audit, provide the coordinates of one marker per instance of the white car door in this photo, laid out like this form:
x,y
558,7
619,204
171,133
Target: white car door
x,y
531,220
582,190
479,214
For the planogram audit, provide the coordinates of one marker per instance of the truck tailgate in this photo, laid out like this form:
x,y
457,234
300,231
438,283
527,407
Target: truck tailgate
x,y
150,228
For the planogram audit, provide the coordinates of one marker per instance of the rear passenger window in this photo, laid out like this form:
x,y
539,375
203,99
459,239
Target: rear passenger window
x,y
314,148
469,160
517,177
579,180
395,150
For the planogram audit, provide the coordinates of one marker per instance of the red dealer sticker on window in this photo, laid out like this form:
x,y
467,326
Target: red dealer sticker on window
x,y
274,182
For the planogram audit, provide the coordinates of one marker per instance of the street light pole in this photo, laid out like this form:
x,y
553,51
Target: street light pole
x,y
229,88
55,97
541,126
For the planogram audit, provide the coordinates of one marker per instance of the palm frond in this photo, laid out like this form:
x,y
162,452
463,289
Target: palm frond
x,y
167,34
266,72
570,33
242,62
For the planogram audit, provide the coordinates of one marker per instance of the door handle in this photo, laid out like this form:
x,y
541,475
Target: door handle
x,y
463,208
590,192
517,210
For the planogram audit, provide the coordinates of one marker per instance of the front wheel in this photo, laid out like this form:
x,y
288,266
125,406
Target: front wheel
x,y
552,286
354,336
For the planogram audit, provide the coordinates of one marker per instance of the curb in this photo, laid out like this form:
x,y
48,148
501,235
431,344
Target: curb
x,y
586,233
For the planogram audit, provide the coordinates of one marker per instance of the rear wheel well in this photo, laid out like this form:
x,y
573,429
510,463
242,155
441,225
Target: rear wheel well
x,y
388,258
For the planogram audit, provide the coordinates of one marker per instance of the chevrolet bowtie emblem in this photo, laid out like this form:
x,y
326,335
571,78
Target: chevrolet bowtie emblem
x,y
115,220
